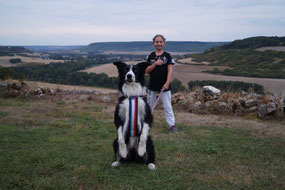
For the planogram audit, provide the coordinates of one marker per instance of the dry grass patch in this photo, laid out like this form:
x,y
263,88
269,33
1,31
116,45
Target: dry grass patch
x,y
4,60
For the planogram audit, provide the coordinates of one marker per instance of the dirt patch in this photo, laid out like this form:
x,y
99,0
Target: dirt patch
x,y
255,127
189,60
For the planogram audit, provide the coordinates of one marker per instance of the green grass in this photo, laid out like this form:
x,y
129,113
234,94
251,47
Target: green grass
x,y
72,149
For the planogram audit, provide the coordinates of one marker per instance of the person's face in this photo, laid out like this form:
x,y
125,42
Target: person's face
x,y
158,43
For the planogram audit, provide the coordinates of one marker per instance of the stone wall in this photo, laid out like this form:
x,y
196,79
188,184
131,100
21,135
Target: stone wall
x,y
210,100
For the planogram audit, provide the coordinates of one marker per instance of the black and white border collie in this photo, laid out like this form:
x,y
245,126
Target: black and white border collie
x,y
133,118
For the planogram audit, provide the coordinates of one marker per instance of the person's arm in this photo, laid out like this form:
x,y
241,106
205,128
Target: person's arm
x,y
151,67
169,75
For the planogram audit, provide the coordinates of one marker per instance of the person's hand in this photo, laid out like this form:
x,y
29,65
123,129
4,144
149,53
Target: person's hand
x,y
165,86
159,62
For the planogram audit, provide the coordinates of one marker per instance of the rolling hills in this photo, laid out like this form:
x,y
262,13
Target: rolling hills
x,y
244,60
135,46
172,46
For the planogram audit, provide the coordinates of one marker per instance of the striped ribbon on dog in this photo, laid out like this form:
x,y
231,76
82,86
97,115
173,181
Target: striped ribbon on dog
x,y
133,116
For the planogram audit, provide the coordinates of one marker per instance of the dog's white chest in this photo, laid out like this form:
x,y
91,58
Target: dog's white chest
x,y
125,113
125,108
133,89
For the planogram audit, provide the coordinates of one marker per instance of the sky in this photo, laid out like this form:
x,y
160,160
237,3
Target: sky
x,y
81,22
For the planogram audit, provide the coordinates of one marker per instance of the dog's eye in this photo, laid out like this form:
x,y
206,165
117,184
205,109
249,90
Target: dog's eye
x,y
135,70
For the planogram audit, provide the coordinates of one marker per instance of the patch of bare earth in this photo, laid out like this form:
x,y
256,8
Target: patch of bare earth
x,y
189,60
255,127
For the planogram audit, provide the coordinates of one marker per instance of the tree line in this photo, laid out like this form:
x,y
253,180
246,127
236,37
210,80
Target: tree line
x,y
63,73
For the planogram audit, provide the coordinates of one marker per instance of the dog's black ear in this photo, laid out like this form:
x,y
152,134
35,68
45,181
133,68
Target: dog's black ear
x,y
119,64
143,65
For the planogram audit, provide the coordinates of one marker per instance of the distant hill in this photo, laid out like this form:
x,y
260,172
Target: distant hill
x,y
45,49
11,50
245,60
255,42
172,46
136,46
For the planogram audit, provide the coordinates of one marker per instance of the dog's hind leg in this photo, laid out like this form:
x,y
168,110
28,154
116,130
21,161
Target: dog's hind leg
x,y
122,144
117,156
143,138
150,154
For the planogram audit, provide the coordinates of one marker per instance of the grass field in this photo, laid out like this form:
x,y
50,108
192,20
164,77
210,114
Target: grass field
x,y
62,143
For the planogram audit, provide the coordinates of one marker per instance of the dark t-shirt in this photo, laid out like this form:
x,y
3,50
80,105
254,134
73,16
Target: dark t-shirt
x,y
158,76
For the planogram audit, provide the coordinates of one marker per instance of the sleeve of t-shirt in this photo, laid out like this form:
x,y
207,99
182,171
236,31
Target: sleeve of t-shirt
x,y
170,60
148,59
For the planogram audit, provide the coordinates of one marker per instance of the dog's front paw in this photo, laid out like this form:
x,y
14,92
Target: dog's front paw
x,y
142,149
123,150
151,166
115,164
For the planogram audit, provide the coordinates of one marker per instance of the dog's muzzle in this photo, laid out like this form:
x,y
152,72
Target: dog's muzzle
x,y
129,78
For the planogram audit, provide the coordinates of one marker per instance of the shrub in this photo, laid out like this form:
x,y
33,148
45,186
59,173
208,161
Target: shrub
x,y
17,60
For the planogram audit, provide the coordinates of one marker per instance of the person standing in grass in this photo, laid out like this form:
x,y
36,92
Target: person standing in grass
x,y
159,68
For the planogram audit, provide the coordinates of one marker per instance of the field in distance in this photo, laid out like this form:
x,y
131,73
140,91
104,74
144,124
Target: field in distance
x,y
4,60
192,72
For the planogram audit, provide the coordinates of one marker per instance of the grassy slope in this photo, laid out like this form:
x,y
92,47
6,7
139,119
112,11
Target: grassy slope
x,y
66,144
245,60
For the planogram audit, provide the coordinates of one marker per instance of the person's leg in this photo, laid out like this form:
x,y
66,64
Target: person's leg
x,y
151,98
166,101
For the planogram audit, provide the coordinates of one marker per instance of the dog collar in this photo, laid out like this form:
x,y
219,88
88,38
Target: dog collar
x,y
133,132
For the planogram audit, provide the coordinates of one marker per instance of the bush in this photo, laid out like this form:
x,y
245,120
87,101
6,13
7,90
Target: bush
x,y
176,86
17,60
6,73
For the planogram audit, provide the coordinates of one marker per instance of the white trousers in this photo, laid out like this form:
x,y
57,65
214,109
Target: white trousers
x,y
166,101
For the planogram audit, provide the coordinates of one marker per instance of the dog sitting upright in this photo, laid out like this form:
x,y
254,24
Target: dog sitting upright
x,y
133,118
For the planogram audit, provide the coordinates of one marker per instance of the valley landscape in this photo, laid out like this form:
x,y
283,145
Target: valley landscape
x,y
57,125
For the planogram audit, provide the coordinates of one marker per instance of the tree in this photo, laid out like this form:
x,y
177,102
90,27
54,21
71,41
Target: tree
x,y
17,60
176,86
6,73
